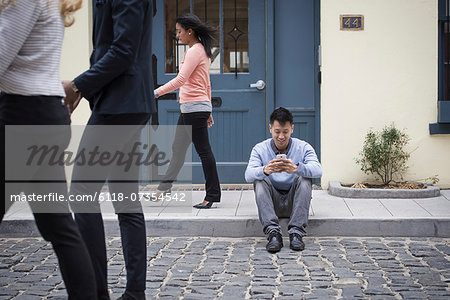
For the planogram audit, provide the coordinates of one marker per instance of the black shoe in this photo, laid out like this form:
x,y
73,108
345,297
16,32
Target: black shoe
x,y
203,206
275,242
296,242
128,295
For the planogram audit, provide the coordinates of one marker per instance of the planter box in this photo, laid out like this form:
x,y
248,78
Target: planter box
x,y
336,189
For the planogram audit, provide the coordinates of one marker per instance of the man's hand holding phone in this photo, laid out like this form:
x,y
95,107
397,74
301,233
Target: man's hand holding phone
x,y
280,164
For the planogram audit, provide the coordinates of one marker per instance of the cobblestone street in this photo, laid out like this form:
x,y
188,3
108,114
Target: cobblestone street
x,y
227,268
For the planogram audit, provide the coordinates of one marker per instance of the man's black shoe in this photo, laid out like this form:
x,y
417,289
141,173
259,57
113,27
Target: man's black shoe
x,y
275,242
296,242
130,295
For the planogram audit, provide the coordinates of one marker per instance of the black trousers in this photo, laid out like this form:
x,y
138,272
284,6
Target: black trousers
x,y
199,137
58,228
131,218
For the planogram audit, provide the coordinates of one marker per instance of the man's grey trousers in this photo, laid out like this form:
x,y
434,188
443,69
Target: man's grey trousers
x,y
294,204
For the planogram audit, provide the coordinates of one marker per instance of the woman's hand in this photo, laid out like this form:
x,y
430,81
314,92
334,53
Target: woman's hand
x,y
75,104
210,121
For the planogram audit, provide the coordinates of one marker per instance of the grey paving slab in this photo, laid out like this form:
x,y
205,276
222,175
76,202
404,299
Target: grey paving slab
x,y
175,212
200,226
403,208
173,207
392,227
152,211
437,207
311,212
230,199
19,216
197,196
19,207
227,206
367,208
20,211
446,194
326,206
247,205
217,211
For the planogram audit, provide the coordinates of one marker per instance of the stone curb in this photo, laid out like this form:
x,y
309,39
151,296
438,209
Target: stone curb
x,y
251,227
336,189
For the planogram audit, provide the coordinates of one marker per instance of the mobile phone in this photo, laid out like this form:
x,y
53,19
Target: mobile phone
x,y
281,156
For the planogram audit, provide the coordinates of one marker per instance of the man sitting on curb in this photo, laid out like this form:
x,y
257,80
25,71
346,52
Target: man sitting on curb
x,y
283,185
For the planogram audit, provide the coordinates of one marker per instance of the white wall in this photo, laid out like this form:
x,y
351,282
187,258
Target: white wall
x,y
75,60
75,56
386,73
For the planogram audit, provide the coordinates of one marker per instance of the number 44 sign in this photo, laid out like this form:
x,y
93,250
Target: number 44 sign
x,y
352,22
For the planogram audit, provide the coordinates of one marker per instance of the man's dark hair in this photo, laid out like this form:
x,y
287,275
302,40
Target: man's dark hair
x,y
282,115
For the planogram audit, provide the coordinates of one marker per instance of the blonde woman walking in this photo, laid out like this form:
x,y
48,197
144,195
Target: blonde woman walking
x,y
31,35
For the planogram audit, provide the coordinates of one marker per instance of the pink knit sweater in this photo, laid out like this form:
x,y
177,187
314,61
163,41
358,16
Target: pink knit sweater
x,y
193,78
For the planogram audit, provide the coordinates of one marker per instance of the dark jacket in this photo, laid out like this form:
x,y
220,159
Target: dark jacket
x,y
120,78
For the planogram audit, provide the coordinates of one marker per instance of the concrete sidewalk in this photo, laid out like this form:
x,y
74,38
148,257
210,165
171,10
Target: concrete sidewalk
x,y
236,216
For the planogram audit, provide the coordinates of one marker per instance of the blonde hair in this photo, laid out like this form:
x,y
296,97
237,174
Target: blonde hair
x,y
4,4
66,7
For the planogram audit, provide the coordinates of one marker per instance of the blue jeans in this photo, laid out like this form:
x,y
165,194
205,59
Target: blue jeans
x,y
293,204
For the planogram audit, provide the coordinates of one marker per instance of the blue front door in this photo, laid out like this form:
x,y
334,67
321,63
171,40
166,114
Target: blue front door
x,y
256,44
296,65
239,110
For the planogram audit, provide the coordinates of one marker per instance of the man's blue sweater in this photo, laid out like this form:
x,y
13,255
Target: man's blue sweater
x,y
300,152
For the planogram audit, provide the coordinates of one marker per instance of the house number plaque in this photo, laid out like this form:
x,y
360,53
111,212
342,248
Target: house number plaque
x,y
352,22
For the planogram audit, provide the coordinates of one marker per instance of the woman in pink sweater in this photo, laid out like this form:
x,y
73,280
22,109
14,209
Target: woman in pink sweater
x,y
195,105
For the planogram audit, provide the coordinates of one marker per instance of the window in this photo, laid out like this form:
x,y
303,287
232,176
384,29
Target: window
x,y
444,50
231,20
443,124
235,41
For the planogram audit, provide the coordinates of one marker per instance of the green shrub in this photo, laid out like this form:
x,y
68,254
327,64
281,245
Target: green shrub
x,y
383,154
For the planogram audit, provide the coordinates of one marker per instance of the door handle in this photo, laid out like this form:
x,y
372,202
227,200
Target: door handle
x,y
259,85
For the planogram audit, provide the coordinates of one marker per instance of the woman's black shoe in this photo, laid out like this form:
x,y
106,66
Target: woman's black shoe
x,y
203,205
